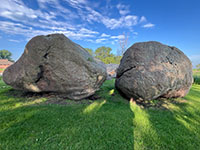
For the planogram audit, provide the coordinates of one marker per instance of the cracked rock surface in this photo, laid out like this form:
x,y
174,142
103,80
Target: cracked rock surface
x,y
150,70
53,63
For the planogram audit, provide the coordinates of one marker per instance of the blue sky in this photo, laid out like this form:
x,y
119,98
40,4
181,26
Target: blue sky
x,y
93,23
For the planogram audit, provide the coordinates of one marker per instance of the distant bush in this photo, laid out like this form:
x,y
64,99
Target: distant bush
x,y
196,79
90,59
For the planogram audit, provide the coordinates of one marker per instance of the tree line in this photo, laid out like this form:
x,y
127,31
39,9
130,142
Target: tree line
x,y
5,54
198,66
104,54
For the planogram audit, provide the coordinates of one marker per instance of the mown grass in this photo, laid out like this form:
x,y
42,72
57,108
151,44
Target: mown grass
x,y
108,123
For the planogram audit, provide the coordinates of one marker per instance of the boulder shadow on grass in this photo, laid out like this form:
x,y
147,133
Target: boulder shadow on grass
x,y
161,103
50,97
107,91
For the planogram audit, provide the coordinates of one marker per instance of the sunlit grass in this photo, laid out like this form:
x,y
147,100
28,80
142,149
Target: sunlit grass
x,y
109,123
111,92
95,106
36,101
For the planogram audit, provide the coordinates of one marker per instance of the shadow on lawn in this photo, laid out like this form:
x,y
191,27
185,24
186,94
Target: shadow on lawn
x,y
109,123
179,126
45,127
104,124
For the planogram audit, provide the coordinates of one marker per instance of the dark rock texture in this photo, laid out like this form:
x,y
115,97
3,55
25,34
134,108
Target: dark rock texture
x,y
149,70
53,63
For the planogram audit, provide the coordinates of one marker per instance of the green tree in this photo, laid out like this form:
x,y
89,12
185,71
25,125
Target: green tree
x,y
5,54
198,66
90,51
117,59
102,52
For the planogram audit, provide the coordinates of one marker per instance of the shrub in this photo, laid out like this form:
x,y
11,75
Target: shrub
x,y
196,79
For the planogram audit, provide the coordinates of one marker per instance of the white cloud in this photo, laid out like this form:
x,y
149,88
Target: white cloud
x,y
143,19
148,25
76,3
100,40
131,20
123,9
12,40
123,12
13,28
29,22
136,33
43,3
61,11
89,40
105,35
90,15
17,11
23,20
29,32
87,31
75,35
124,21
117,37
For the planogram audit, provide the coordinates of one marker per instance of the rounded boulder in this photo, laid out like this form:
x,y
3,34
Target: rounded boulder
x,y
151,70
54,63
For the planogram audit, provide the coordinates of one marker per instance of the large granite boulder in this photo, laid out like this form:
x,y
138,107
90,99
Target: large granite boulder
x,y
150,70
53,63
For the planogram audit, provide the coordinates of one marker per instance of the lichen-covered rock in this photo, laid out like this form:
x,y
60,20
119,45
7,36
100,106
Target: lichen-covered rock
x,y
53,63
149,70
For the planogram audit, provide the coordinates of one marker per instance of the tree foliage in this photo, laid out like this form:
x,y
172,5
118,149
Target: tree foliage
x,y
104,54
90,51
5,54
198,66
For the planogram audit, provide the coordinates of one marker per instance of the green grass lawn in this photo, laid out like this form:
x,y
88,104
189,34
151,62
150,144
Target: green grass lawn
x,y
110,123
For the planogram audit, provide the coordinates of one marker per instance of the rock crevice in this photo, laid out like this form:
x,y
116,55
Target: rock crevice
x,y
40,74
